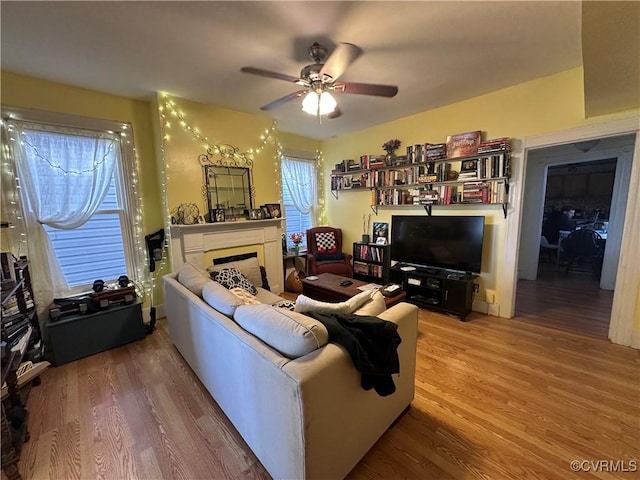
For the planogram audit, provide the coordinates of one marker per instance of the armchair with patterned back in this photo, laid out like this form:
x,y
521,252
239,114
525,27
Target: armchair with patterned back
x,y
324,252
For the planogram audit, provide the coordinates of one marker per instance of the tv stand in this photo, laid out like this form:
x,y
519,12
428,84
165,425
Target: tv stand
x,y
437,289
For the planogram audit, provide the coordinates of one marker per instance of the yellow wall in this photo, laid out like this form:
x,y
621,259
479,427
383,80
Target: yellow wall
x,y
28,92
221,126
544,105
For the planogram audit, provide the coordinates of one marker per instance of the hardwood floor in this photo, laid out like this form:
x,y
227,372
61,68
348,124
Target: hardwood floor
x,y
574,302
495,399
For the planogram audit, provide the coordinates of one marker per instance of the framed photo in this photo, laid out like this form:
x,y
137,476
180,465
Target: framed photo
x,y
347,182
381,241
265,212
217,215
380,230
469,165
274,210
255,214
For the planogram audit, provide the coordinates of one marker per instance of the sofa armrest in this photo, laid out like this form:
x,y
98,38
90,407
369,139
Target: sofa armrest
x,y
342,420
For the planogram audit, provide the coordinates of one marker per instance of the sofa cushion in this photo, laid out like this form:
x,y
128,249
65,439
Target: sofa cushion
x,y
220,298
249,267
267,297
232,277
290,333
373,307
193,277
306,304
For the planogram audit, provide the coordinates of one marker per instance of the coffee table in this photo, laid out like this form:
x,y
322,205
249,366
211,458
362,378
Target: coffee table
x,y
328,289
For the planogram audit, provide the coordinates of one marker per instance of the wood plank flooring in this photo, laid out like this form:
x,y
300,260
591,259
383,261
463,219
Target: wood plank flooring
x,y
574,302
495,399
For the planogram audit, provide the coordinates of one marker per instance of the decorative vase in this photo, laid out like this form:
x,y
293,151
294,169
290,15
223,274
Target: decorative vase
x,y
296,249
390,158
365,238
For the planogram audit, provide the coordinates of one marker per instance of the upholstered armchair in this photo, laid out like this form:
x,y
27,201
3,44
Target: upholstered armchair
x,y
324,252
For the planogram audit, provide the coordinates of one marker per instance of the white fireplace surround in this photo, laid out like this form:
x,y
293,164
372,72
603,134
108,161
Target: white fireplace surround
x,y
190,242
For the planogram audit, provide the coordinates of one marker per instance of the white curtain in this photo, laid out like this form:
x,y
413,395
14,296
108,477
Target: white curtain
x,y
300,178
63,175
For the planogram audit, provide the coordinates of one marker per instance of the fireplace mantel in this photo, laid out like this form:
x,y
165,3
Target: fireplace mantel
x,y
190,242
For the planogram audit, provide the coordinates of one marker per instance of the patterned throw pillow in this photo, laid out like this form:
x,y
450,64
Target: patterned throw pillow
x,y
232,277
326,242
286,305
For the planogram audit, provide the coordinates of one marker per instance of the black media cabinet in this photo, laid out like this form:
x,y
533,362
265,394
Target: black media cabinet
x,y
436,288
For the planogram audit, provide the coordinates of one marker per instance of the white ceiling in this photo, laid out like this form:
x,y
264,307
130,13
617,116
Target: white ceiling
x,y
436,53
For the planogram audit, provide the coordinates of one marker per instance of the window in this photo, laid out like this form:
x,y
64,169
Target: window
x,y
299,195
78,198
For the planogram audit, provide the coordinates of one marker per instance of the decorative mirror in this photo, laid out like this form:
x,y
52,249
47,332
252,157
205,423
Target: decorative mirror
x,y
227,183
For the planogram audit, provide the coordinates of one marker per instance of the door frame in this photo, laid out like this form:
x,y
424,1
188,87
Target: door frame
x,y
622,327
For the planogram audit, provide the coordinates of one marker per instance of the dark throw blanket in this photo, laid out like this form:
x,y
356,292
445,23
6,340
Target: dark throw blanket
x,y
372,344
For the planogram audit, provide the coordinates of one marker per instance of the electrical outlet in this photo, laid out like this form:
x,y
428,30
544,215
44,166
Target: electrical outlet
x,y
490,296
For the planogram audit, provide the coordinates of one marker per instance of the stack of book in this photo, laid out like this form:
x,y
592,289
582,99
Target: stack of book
x,y
427,197
436,151
338,168
13,328
502,144
371,161
475,192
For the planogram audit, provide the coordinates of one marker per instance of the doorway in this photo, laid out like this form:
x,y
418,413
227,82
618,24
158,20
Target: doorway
x,y
596,183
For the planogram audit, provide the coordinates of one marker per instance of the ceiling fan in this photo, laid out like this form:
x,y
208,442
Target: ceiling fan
x,y
319,79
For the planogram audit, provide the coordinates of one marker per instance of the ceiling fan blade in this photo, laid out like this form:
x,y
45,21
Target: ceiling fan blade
x,y
282,100
267,73
366,89
335,114
343,56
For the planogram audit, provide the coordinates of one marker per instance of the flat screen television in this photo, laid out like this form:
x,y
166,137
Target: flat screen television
x,y
452,243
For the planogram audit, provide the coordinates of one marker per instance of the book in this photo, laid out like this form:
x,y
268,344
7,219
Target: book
x,y
463,144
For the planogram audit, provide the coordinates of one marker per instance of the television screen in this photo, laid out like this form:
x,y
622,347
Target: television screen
x,y
453,243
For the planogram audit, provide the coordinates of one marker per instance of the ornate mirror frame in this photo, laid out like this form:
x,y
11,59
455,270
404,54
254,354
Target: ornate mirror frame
x,y
228,183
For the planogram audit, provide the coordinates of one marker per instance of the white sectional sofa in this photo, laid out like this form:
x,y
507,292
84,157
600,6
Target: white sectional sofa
x,y
295,398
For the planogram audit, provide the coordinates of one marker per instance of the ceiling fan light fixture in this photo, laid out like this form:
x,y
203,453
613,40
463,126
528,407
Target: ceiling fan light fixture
x,y
316,103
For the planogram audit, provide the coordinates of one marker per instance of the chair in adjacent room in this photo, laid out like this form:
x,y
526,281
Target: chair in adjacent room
x,y
584,248
324,252
549,249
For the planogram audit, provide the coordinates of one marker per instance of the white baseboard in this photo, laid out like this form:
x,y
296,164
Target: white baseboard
x,y
159,313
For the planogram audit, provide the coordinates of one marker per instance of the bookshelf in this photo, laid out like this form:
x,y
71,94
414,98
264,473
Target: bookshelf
x,y
371,262
431,181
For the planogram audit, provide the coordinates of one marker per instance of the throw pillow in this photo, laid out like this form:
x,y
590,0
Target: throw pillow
x,y
326,242
373,307
306,304
193,277
232,277
249,267
244,296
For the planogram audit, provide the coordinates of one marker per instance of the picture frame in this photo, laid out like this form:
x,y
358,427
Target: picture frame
x,y
381,241
469,165
347,182
274,210
380,230
265,212
255,214
217,215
